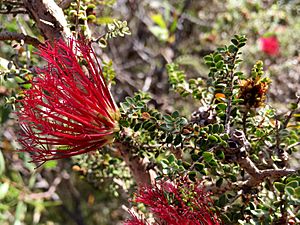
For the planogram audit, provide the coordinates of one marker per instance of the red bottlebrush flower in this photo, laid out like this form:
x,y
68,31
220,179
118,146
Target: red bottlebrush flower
x,y
269,45
181,202
69,109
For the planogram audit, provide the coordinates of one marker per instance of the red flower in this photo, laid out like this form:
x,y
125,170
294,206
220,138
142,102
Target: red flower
x,y
69,109
269,45
183,203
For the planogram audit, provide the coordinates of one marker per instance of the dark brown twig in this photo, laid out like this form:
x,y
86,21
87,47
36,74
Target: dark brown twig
x,y
6,35
288,118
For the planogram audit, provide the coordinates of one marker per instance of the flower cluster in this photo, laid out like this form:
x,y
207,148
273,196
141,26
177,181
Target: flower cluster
x,y
69,110
178,202
269,45
253,91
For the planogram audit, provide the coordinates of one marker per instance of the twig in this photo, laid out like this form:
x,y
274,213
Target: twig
x,y
293,145
257,176
268,173
6,35
26,47
48,194
244,120
229,105
14,12
287,120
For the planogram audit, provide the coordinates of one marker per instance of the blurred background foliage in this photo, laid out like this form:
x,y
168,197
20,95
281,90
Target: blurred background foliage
x,y
82,190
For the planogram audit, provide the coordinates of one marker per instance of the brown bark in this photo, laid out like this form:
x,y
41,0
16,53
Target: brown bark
x,y
6,35
49,18
138,166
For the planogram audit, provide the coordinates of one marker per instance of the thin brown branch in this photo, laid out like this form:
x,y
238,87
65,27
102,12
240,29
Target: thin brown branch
x,y
6,35
14,12
293,145
240,156
268,173
289,116
257,176
48,194
12,2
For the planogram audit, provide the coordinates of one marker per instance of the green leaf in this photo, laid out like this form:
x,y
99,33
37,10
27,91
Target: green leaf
x,y
279,186
137,127
232,177
220,65
2,163
241,44
293,106
20,212
289,190
129,100
152,128
220,154
232,49
192,175
215,128
50,164
222,106
213,163
169,138
182,121
171,158
4,189
175,114
219,182
222,200
177,139
199,166
234,41
164,163
26,86
208,58
207,156
168,118
159,20
148,124
221,128
125,106
297,192
292,184
195,157
161,33
213,138
217,58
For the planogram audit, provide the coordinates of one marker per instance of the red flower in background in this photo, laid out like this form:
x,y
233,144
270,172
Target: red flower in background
x,y
69,109
180,202
269,45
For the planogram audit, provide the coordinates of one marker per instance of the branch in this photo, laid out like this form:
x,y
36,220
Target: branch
x,y
293,145
138,166
288,118
6,35
49,18
13,12
240,155
269,173
48,194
